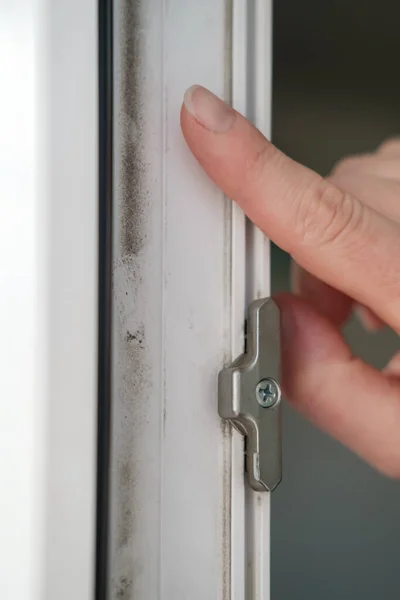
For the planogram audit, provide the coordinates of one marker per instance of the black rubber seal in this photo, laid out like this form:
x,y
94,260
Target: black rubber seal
x,y
105,131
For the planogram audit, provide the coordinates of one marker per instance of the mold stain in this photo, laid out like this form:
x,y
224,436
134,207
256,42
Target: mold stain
x,y
123,589
136,338
132,166
133,374
131,370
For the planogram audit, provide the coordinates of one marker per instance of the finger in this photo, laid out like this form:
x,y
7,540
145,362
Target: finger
x,y
370,164
390,148
344,396
368,319
330,234
393,367
383,195
331,303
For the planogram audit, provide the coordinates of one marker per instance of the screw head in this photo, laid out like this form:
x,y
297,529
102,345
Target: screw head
x,y
268,392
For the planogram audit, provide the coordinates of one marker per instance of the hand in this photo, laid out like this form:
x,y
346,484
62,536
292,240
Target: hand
x,y
344,233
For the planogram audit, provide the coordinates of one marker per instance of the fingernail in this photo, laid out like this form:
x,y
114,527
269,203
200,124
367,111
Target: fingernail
x,y
211,112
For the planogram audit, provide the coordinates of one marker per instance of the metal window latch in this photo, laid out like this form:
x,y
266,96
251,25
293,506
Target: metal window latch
x,y
250,396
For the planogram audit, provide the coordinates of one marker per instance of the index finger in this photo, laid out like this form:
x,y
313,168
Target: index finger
x,y
327,231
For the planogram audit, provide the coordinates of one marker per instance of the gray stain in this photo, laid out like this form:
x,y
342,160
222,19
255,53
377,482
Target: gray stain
x,y
137,337
131,370
130,126
123,589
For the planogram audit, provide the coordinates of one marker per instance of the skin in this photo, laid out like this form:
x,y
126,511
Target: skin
x,y
343,234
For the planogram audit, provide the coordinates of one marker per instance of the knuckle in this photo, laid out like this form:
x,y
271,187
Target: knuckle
x,y
266,154
326,215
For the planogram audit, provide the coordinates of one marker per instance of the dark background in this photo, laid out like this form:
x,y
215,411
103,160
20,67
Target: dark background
x,y
335,522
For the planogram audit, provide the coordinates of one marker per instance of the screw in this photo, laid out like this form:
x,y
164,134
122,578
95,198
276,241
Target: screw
x,y
268,393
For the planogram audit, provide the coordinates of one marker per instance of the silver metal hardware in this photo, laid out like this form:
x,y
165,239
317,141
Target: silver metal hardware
x,y
249,396
268,392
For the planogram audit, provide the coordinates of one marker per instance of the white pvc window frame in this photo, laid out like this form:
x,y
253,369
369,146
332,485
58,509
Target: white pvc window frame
x,y
183,524
48,298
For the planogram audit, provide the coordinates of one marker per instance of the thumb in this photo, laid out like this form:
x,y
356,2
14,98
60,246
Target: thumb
x,y
347,398
326,231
